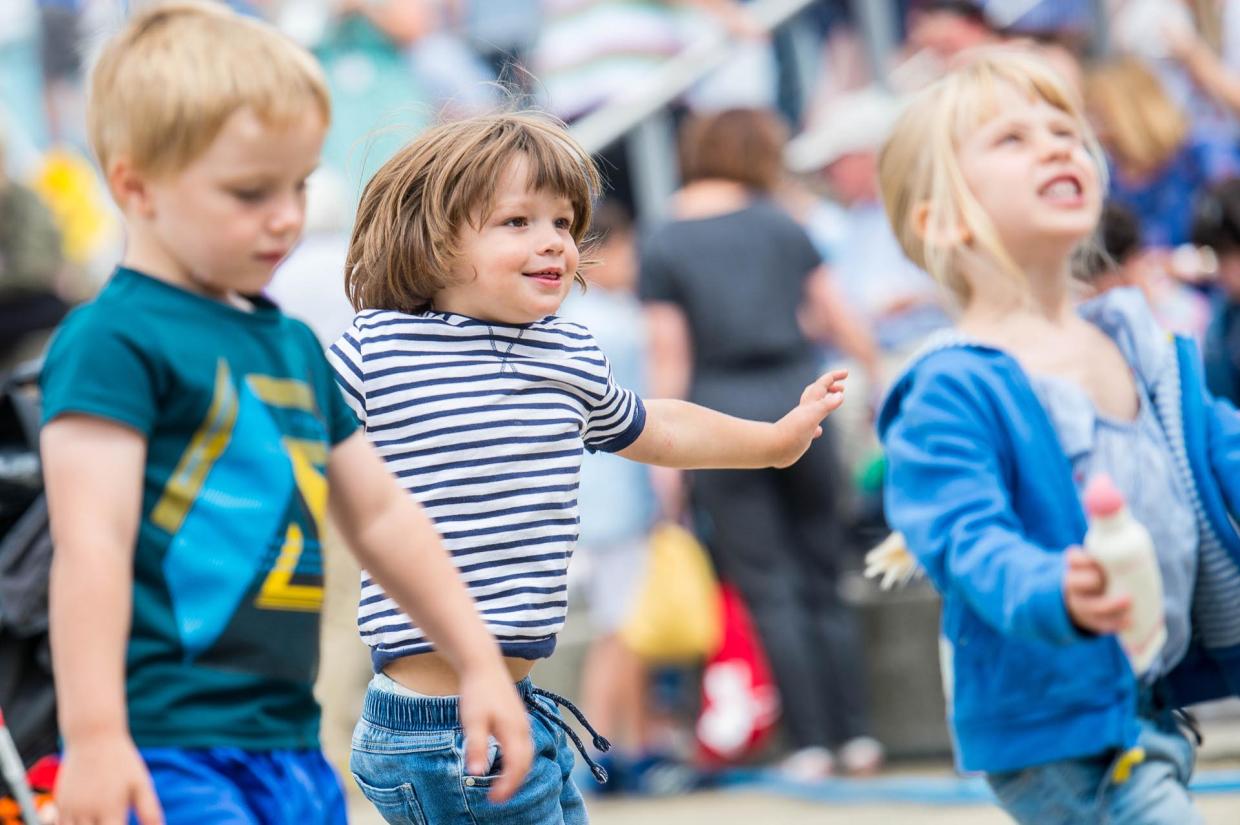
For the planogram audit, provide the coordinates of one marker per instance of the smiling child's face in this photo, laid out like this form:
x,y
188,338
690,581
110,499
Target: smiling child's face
x,y
517,265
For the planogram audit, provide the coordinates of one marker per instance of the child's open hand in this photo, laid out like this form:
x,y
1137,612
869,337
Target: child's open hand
x,y
491,706
101,780
1084,588
797,429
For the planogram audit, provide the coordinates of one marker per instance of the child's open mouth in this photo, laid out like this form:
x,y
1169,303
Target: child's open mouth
x,y
549,277
1063,189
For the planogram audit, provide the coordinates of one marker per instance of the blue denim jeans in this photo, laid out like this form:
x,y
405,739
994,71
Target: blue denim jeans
x,y
1088,791
408,759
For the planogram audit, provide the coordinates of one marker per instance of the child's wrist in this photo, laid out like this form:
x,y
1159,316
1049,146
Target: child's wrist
x,y
94,733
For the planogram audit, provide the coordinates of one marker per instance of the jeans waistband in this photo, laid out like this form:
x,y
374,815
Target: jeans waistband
x,y
432,713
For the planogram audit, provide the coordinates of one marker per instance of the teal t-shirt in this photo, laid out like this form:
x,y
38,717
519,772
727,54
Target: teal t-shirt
x,y
239,410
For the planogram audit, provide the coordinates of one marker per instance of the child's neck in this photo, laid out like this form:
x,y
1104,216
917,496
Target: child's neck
x,y
1000,310
144,255
709,197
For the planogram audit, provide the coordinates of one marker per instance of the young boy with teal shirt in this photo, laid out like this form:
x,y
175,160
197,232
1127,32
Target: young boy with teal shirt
x,y
194,442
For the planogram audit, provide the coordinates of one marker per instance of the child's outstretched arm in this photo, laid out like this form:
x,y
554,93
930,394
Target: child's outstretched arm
x,y
398,544
681,434
93,472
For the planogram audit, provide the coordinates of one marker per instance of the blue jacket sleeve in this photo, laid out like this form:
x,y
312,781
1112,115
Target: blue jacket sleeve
x,y
946,493
1224,449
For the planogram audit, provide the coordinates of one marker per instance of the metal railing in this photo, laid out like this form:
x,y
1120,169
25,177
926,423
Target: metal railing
x,y
651,147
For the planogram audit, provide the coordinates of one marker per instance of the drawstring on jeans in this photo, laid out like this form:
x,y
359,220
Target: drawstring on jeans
x,y
600,743
1189,723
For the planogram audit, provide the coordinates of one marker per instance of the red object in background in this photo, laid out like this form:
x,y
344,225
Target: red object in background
x,y
42,778
42,774
740,703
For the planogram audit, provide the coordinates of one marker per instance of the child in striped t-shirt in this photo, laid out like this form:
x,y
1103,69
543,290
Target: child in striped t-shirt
x,y
481,400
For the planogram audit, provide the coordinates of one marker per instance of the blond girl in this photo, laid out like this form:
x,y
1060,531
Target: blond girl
x,y
992,181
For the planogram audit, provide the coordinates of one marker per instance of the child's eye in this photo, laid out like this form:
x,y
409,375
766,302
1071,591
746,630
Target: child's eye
x,y
516,221
249,195
563,223
1009,137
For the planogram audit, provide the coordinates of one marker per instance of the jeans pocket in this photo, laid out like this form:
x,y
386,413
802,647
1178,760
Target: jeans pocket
x,y
494,764
398,806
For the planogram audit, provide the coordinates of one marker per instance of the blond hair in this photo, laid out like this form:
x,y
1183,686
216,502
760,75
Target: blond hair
x,y
1142,125
407,234
164,86
919,164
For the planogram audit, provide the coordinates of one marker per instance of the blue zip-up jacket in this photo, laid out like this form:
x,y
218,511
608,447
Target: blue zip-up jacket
x,y
982,490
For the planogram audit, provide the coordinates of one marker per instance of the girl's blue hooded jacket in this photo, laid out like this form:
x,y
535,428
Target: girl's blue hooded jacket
x,y
982,490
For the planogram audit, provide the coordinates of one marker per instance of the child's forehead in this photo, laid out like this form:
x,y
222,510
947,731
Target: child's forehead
x,y
522,180
249,141
1002,100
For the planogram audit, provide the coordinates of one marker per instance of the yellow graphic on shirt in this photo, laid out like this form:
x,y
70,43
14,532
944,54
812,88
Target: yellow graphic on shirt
x,y
205,448
278,592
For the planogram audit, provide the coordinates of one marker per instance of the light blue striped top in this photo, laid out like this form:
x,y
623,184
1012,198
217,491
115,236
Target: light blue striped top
x,y
484,424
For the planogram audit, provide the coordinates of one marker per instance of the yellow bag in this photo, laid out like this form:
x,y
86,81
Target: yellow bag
x,y
78,202
675,616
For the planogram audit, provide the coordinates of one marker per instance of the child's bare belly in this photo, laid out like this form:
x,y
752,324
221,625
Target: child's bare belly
x,y
431,674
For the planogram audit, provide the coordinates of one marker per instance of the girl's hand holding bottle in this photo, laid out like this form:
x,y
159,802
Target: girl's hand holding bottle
x,y
1084,593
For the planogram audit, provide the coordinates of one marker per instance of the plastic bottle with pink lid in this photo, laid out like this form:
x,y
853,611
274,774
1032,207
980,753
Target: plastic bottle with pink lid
x,y
1124,549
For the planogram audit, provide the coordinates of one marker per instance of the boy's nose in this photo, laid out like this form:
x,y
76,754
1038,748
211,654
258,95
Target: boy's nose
x,y
551,241
287,216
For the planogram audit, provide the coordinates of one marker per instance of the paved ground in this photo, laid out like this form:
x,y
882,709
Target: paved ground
x,y
746,808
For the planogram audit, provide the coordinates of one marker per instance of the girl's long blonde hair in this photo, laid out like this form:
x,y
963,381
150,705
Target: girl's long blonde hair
x,y
919,164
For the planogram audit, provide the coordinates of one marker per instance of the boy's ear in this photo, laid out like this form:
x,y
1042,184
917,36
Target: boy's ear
x,y
130,188
958,235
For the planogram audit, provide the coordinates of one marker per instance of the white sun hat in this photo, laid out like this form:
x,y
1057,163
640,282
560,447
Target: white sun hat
x,y
857,122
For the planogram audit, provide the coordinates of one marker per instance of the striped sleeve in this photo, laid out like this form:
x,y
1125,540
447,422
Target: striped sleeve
x,y
617,418
346,359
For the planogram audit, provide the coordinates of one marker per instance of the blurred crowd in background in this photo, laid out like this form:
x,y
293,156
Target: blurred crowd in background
x,y
774,248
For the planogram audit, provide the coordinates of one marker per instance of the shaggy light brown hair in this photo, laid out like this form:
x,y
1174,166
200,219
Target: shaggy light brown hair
x,y
407,234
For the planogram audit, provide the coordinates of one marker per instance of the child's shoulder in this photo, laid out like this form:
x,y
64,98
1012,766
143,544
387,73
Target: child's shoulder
x,y
949,370
558,324
103,317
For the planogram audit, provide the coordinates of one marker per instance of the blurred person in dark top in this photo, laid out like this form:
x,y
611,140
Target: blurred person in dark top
x,y
1216,224
31,263
734,285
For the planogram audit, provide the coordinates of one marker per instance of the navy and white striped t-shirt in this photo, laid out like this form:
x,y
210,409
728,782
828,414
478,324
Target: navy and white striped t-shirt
x,y
484,424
